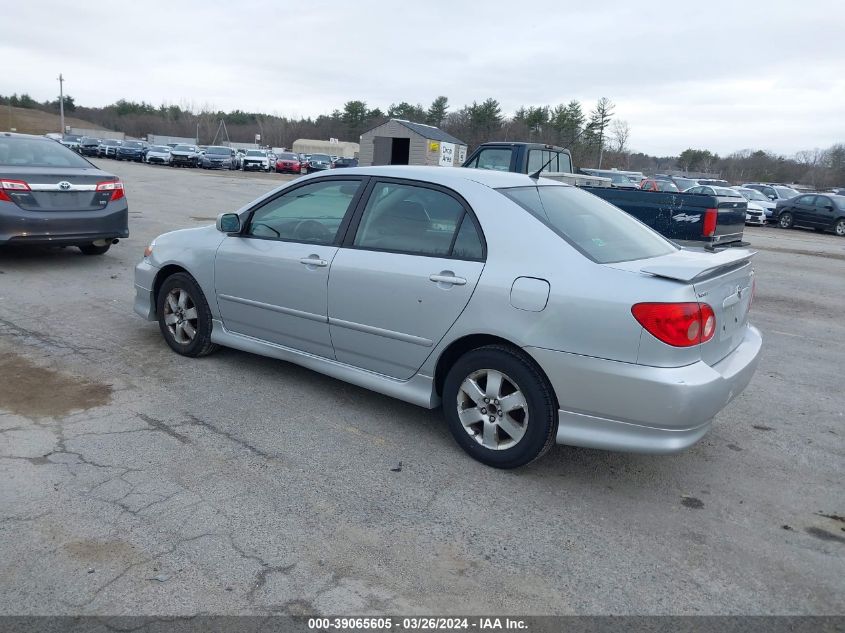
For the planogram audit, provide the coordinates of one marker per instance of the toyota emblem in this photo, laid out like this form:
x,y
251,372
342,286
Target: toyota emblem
x,y
64,185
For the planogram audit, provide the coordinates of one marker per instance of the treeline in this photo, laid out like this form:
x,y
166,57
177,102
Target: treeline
x,y
595,136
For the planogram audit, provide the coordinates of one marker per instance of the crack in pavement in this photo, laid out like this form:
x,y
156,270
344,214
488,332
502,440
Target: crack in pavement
x,y
195,421
160,425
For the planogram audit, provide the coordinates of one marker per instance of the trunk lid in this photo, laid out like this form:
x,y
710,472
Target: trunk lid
x,y
723,280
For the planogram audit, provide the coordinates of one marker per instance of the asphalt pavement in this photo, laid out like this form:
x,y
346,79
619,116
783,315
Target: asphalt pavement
x,y
136,481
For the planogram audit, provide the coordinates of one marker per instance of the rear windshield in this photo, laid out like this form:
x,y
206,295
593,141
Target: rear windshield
x,y
321,157
601,231
665,185
24,152
786,192
726,191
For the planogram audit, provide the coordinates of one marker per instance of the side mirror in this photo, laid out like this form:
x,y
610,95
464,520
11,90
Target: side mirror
x,y
229,223
772,197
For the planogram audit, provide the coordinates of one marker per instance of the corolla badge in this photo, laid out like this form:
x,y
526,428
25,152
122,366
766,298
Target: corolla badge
x,y
64,185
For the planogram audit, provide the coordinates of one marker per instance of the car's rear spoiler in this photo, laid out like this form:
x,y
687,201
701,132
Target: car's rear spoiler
x,y
688,265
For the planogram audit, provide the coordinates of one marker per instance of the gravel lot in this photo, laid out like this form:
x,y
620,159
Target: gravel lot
x,y
136,481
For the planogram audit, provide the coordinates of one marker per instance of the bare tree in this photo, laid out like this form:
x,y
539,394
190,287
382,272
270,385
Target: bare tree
x,y
620,132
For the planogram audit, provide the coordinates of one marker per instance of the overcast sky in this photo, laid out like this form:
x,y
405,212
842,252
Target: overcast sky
x,y
713,74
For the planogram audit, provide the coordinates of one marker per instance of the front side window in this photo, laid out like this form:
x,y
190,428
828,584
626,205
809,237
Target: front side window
x,y
805,200
494,158
312,213
417,220
601,231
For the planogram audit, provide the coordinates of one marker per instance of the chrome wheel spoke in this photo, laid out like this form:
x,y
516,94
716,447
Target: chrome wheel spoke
x,y
170,319
471,416
183,299
494,384
513,401
190,314
472,390
509,426
489,435
189,330
171,302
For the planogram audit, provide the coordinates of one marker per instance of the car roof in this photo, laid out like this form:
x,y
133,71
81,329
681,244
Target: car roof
x,y
32,137
450,175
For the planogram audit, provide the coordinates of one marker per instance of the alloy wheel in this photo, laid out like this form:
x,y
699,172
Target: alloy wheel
x,y
785,220
492,409
839,229
180,316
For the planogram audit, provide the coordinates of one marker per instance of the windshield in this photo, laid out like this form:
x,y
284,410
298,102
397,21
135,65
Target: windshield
x,y
159,148
621,179
109,141
665,185
321,157
218,150
601,231
87,140
71,137
786,192
24,152
255,152
287,156
753,194
184,148
133,144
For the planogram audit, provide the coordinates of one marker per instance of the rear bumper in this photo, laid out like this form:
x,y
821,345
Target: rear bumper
x,y
627,407
63,227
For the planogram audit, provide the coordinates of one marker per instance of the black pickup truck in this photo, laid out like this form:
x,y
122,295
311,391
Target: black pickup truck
x,y
688,218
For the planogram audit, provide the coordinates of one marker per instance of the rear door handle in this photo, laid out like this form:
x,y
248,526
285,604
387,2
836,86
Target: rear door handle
x,y
448,279
314,260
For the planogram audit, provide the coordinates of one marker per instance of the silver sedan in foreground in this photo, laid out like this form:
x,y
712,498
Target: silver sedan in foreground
x,y
531,311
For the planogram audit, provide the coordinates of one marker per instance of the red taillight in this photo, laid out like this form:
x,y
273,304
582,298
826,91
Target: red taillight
x,y
11,185
677,324
710,217
115,186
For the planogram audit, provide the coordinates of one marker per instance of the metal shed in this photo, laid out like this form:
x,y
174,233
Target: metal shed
x,y
400,142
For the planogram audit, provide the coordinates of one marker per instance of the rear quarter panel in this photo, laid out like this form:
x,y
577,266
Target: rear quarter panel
x,y
589,306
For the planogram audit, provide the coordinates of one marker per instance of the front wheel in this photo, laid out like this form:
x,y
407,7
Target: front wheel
x,y
184,317
500,407
839,227
785,220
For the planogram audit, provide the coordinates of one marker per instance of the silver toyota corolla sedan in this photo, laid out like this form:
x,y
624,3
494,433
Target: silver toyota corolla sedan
x,y
531,311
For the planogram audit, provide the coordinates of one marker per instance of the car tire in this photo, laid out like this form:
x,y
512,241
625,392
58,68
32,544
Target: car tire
x,y
184,317
839,227
785,220
93,249
514,437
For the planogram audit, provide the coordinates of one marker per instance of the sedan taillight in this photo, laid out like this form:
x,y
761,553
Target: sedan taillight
x,y
115,186
11,185
677,324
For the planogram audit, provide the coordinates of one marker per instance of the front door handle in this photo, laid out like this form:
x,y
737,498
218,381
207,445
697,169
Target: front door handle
x,y
313,260
448,279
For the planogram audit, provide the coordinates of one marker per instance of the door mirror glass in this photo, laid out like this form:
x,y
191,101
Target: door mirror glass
x,y
228,223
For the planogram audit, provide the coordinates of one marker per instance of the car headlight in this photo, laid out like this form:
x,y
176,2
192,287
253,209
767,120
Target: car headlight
x,y
149,250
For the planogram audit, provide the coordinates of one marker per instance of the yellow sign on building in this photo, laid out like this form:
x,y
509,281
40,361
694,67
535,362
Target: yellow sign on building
x,y
433,146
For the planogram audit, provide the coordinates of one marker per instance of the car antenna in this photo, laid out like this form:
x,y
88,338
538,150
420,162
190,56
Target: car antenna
x,y
536,174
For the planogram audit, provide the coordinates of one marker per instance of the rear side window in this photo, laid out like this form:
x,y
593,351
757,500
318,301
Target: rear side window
x,y
601,231
557,161
417,221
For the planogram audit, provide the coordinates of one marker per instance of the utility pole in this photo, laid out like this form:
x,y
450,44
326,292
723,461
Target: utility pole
x,y
62,103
